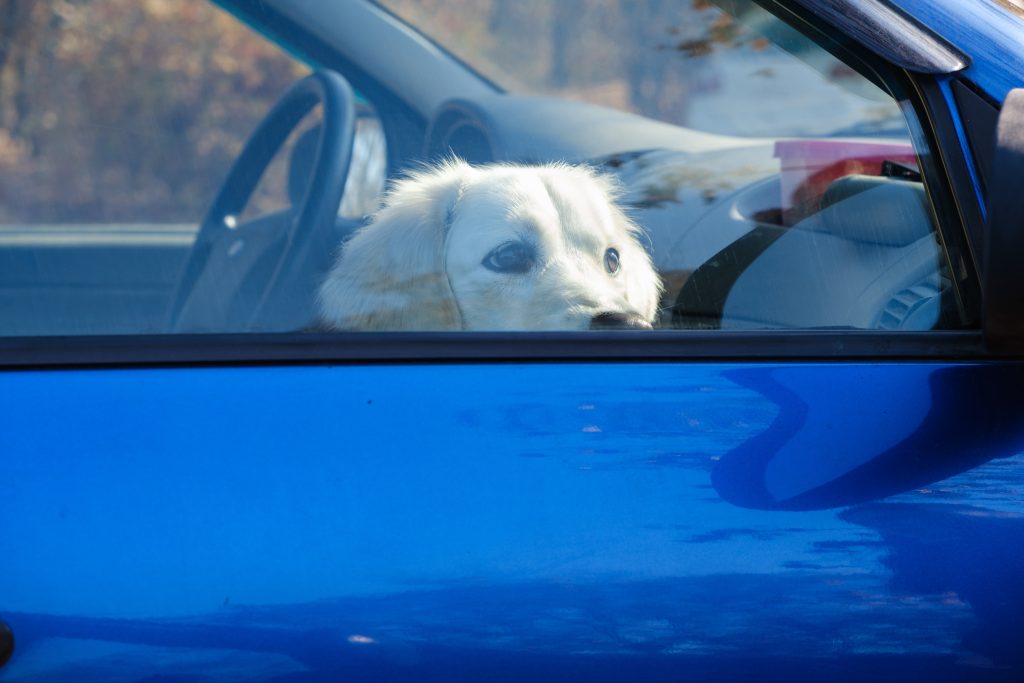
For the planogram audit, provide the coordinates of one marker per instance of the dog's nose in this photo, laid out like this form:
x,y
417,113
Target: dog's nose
x,y
619,321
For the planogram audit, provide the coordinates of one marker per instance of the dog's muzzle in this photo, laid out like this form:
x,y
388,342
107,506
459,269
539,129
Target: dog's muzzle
x,y
619,321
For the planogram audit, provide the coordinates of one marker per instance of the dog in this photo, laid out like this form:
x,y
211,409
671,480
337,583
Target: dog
x,y
495,247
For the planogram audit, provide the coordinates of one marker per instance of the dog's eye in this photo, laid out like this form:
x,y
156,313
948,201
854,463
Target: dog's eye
x,y
511,257
611,260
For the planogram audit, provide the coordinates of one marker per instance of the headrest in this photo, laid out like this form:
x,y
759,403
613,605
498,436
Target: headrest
x,y
876,210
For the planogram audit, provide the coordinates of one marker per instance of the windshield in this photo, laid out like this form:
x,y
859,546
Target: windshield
x,y
687,63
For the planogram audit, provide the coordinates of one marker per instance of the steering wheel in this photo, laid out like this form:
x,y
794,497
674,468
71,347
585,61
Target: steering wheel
x,y
264,275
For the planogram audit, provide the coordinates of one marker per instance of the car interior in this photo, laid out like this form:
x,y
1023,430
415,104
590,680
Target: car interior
x,y
858,249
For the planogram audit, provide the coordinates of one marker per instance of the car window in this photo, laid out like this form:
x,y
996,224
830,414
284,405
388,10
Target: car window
x,y
788,191
585,165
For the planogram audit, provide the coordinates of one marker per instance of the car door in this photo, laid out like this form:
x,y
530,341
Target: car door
x,y
698,502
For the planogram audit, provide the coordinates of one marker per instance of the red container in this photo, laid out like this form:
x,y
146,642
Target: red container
x,y
809,166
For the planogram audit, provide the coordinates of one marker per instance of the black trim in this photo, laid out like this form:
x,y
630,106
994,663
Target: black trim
x,y
951,190
1003,285
460,347
979,116
890,34
6,643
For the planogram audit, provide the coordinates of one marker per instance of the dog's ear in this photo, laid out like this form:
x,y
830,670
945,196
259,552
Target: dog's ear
x,y
391,275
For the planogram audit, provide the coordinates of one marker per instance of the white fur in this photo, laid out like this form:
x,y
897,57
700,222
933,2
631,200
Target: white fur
x,y
419,264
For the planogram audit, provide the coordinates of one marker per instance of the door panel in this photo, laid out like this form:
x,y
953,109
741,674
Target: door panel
x,y
619,521
80,280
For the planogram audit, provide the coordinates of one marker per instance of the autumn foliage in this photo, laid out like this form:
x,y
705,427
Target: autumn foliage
x,y
133,110
126,110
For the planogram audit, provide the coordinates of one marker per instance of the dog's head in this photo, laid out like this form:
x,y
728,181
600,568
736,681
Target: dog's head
x,y
494,248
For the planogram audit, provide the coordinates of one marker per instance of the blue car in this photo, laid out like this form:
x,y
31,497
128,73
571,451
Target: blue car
x,y
804,462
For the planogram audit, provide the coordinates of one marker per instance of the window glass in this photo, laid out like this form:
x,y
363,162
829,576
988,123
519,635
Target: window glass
x,y
119,121
729,67
595,164
116,111
787,191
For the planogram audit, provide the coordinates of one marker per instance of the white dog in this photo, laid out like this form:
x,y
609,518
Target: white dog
x,y
494,248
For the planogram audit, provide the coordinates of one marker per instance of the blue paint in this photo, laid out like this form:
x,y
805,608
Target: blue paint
x,y
990,35
424,521
764,522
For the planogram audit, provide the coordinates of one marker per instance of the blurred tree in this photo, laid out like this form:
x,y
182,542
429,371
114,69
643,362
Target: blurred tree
x,y
638,55
126,110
